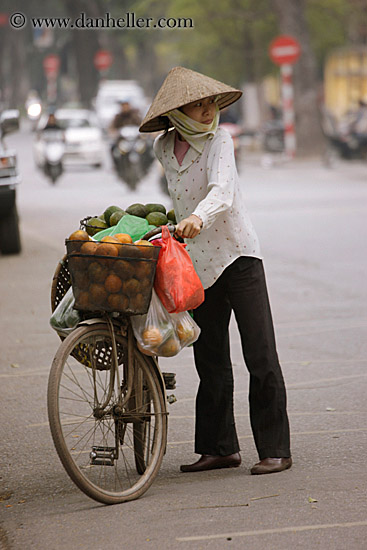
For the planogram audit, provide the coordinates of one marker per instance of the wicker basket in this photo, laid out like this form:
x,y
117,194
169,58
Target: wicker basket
x,y
112,277
61,283
102,353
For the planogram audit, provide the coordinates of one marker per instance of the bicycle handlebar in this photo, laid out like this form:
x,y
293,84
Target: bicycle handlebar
x,y
157,231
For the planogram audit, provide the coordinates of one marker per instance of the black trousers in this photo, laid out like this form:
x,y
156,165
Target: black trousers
x,y
241,288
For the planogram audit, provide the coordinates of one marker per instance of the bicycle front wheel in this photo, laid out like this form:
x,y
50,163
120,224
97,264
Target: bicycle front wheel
x,y
108,422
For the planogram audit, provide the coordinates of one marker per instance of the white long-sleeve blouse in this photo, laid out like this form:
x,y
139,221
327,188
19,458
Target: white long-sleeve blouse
x,y
207,185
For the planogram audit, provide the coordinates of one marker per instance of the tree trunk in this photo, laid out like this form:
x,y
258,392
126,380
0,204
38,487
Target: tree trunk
x,y
85,46
292,21
17,77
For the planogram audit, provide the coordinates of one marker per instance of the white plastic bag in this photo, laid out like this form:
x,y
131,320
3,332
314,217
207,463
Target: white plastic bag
x,y
185,327
65,318
161,333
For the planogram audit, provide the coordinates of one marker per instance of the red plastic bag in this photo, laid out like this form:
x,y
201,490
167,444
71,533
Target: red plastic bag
x,y
176,281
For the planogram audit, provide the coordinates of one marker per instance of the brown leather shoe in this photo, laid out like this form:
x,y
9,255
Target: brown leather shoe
x,y
271,465
213,462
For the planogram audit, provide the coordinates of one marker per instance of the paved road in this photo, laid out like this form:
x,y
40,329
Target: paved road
x,y
312,225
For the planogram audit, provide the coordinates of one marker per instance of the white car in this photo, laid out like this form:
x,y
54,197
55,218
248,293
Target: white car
x,y
83,138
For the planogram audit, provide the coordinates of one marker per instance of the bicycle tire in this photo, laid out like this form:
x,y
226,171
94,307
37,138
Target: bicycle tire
x,y
141,436
99,450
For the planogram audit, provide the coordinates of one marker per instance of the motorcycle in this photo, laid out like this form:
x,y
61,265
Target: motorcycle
x,y
132,155
342,140
51,149
272,135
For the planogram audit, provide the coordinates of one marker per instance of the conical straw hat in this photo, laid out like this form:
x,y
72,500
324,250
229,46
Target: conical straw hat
x,y
182,86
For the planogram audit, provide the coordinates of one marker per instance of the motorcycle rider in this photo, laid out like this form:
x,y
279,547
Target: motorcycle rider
x,y
51,123
127,116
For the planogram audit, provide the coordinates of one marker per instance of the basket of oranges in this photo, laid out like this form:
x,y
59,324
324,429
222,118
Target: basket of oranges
x,y
112,275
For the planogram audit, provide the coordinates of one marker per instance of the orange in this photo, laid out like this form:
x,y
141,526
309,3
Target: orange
x,y
138,303
89,248
131,287
146,285
76,262
143,247
170,347
143,243
83,300
146,352
185,332
109,239
124,269
98,294
123,238
118,302
113,283
81,280
142,269
107,249
130,251
79,235
152,336
97,272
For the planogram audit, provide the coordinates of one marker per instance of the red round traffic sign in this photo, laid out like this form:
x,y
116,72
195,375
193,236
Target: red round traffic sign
x,y
284,50
51,64
102,60
3,19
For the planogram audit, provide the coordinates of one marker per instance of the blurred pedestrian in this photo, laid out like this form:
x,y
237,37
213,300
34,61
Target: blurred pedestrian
x,y
198,160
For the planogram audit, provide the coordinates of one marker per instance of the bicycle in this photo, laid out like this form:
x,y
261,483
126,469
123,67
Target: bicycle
x,y
106,403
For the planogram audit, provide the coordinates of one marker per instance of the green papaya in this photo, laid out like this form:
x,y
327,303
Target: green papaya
x,y
95,225
172,216
116,217
109,211
156,218
151,207
137,209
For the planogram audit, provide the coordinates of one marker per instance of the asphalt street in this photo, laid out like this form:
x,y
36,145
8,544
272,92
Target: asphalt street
x,y
311,221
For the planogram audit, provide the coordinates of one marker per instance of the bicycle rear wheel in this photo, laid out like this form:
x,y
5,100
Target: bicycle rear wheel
x,y
108,424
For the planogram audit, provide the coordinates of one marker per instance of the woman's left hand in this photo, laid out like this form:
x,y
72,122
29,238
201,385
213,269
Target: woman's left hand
x,y
189,227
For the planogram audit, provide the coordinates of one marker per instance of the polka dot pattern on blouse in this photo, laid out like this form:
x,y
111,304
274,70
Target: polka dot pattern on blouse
x,y
207,185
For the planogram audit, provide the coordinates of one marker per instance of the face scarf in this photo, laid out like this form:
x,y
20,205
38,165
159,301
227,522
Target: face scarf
x,y
194,132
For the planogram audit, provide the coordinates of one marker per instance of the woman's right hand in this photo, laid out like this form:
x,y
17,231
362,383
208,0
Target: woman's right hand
x,y
190,227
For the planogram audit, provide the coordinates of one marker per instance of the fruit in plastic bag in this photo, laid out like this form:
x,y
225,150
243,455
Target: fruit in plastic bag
x,y
163,334
185,333
170,347
152,336
186,328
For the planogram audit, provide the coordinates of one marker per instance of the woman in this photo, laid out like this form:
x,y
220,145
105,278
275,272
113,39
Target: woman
x,y
198,160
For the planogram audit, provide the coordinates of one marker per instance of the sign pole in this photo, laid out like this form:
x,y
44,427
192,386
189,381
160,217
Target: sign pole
x,y
290,143
51,65
51,89
284,51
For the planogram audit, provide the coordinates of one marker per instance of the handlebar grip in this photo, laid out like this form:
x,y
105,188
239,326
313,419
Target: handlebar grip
x,y
157,231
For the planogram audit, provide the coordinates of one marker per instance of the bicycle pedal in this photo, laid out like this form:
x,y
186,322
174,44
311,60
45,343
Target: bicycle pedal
x,y
169,380
171,399
103,456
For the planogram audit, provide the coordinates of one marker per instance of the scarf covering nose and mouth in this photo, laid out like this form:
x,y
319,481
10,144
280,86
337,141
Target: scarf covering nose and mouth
x,y
194,132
